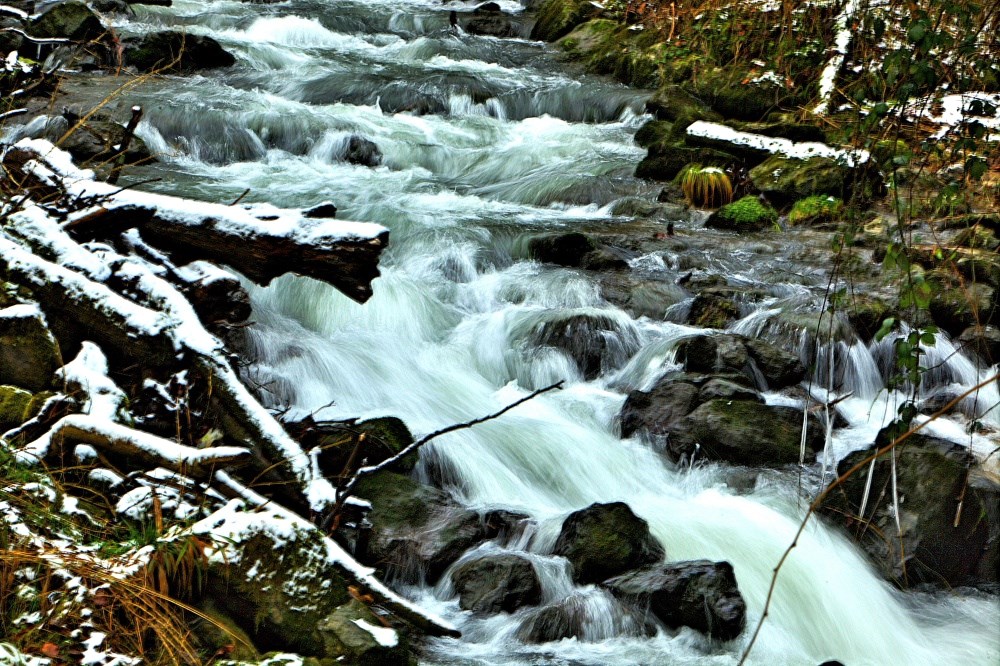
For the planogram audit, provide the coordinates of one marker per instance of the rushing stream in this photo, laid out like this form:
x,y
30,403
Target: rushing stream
x,y
484,141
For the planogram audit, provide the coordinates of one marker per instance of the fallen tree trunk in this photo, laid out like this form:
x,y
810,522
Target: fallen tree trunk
x,y
258,240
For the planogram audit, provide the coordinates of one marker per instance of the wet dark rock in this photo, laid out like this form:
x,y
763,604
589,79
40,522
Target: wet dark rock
x,y
666,159
496,584
791,130
672,103
326,210
68,20
866,315
939,486
175,52
955,306
596,343
604,540
361,151
700,594
983,341
490,21
29,354
415,528
653,412
502,524
729,353
575,250
96,139
742,432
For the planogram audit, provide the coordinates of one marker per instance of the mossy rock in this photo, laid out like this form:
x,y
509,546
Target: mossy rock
x,y
978,238
353,634
68,20
605,540
672,102
815,209
939,486
955,307
790,178
557,18
654,132
15,407
417,530
29,355
890,154
713,310
866,315
279,590
785,129
746,215
743,432
725,92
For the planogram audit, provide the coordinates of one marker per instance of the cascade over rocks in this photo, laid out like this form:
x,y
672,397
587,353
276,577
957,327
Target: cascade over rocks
x,y
700,594
949,514
496,584
604,540
571,618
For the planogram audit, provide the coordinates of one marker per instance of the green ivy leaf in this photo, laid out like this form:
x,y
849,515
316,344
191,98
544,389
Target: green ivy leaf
x,y
887,325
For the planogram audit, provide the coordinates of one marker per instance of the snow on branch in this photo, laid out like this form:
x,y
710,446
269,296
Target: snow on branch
x,y
711,133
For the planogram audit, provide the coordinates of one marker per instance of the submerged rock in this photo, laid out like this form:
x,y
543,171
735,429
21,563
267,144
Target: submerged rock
x,y
496,583
489,20
700,594
604,540
575,250
584,616
737,354
949,514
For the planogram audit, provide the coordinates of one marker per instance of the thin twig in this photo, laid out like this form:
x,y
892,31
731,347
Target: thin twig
x,y
345,491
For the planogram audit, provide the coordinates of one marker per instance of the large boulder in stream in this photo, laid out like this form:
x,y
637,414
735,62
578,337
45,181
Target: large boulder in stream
x,y
949,514
700,594
175,52
737,354
742,432
496,583
361,151
605,540
417,530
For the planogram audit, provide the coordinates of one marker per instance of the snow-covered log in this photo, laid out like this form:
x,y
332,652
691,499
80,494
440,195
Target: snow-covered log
x,y
149,449
258,240
716,135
